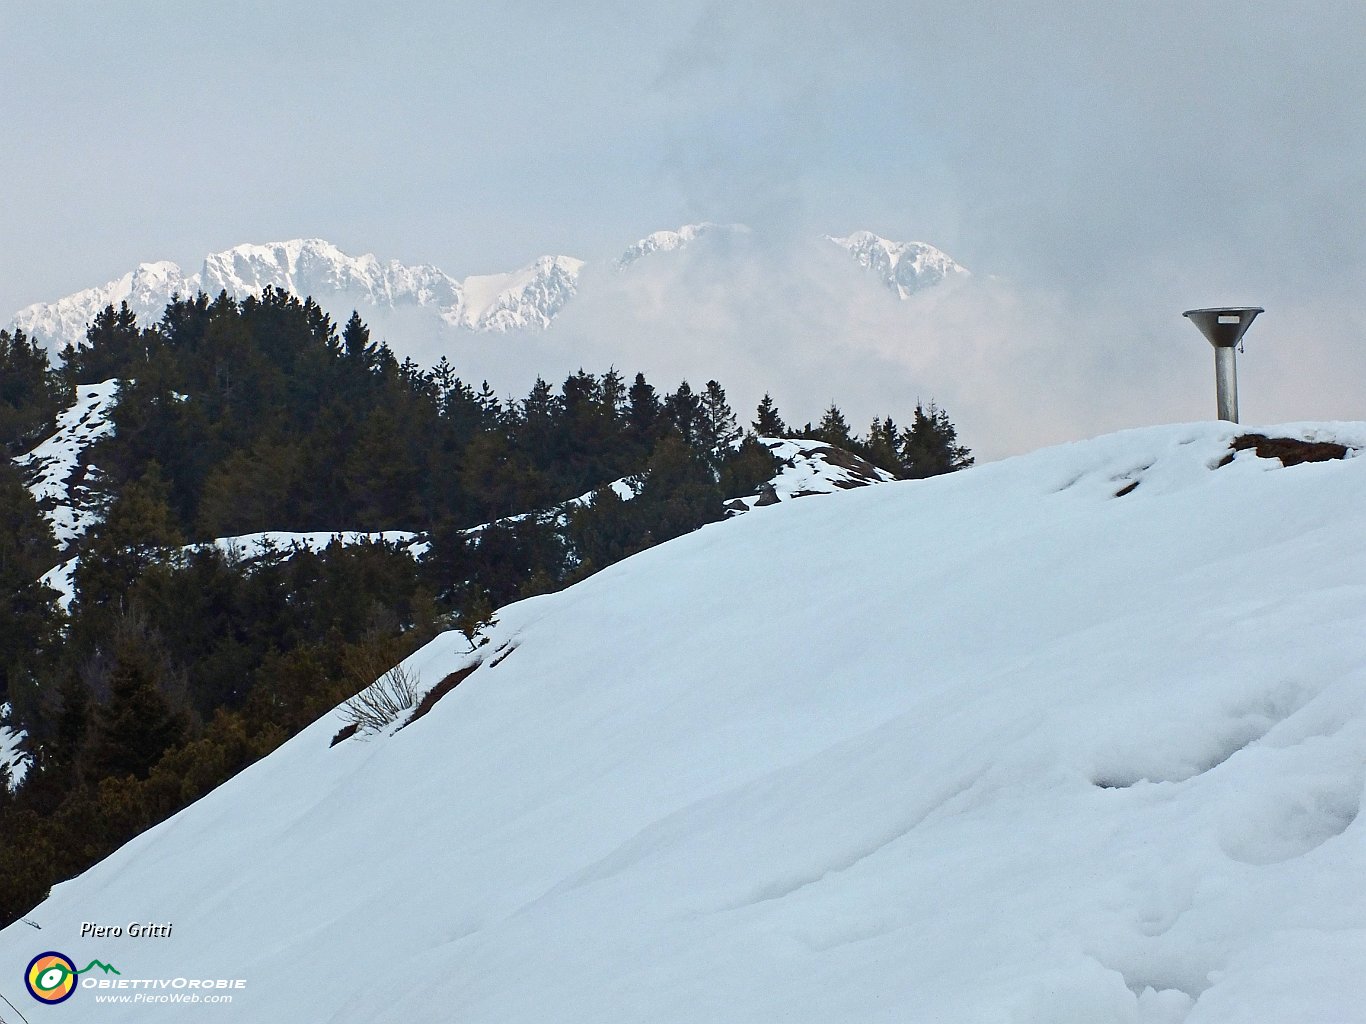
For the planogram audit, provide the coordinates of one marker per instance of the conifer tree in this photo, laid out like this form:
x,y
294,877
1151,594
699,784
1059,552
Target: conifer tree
x,y
28,614
113,346
644,410
767,422
833,429
30,393
684,410
138,724
930,447
718,429
881,448
138,528
356,342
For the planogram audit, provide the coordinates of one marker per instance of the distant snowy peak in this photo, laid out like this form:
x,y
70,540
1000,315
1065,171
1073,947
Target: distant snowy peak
x,y
672,241
904,267
318,268
525,299
529,297
146,290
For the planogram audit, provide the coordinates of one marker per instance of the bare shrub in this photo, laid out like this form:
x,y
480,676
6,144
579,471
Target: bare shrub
x,y
383,701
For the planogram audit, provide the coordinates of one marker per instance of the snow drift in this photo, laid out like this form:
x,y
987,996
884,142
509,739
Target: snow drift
x,y
1024,744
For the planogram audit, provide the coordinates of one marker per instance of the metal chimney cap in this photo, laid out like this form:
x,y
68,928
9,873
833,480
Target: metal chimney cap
x,y
1224,326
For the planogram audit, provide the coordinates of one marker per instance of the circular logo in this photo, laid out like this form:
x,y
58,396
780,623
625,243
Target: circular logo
x,y
51,977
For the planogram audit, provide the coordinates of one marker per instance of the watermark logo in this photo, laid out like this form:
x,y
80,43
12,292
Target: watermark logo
x,y
51,976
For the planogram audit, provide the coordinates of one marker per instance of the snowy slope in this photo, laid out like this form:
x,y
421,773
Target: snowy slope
x,y
1005,746
59,471
810,467
12,759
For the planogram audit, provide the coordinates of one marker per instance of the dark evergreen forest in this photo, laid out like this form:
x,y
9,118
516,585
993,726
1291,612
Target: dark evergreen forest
x,y
178,665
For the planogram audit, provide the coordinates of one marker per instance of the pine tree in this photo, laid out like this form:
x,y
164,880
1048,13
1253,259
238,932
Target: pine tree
x,y
138,528
113,347
356,342
717,429
28,614
684,410
767,422
138,723
881,448
31,394
833,429
643,412
930,447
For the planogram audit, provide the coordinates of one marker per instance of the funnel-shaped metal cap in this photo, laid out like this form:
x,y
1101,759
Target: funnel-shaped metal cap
x,y
1224,327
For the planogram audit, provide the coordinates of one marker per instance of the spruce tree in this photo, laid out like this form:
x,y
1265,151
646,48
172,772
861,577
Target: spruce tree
x,y
28,613
718,429
930,447
684,410
833,428
767,422
138,723
643,412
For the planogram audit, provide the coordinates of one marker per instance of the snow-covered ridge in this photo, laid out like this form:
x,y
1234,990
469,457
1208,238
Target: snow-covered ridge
x,y
807,468
904,267
61,478
1025,743
529,298
672,241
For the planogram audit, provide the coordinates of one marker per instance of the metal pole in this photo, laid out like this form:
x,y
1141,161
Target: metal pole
x,y
1226,381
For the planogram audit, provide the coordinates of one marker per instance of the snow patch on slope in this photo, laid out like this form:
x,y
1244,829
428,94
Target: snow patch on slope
x,y
810,467
255,548
12,758
996,746
60,475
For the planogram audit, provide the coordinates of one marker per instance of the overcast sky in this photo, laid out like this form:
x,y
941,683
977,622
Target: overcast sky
x,y
1100,167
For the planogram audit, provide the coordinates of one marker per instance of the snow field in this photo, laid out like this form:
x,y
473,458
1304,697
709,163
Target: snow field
x,y
994,747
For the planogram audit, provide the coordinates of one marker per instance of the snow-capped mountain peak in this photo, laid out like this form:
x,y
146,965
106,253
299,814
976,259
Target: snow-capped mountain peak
x,y
905,267
528,297
672,241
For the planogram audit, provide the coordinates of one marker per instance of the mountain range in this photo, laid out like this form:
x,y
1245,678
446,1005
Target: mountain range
x,y
526,299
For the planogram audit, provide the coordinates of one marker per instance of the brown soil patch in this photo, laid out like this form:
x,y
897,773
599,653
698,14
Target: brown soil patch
x,y
438,691
1290,450
344,733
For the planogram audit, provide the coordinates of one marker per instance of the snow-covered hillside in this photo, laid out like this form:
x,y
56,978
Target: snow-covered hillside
x,y
385,293
1075,737
13,761
60,475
